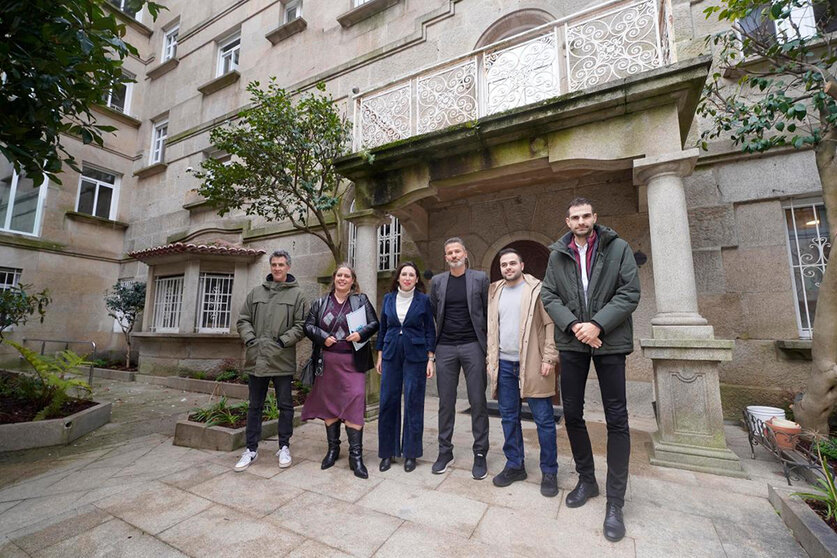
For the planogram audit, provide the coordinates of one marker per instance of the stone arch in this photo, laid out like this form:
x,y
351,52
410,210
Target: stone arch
x,y
512,24
532,245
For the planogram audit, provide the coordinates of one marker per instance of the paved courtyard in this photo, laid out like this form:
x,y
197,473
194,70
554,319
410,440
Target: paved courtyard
x,y
125,490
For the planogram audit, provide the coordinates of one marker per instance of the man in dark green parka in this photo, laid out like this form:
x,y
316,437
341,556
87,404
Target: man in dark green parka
x,y
590,290
270,324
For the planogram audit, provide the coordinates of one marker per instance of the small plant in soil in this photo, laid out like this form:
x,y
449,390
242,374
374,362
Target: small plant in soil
x,y
824,500
224,414
49,393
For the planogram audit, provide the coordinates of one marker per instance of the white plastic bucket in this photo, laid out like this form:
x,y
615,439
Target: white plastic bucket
x,y
765,413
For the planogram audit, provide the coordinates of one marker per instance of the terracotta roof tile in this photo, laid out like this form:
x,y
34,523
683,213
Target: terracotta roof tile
x,y
216,248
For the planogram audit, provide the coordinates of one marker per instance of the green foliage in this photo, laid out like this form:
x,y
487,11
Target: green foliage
x,y
227,376
16,306
827,491
224,414
124,302
52,388
828,448
58,58
779,98
281,168
300,387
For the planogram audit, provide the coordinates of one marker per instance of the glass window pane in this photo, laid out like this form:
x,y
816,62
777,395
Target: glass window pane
x,y
86,196
117,97
103,203
101,176
25,207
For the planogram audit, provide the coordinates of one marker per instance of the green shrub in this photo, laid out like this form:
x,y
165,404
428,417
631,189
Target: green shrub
x,y
223,413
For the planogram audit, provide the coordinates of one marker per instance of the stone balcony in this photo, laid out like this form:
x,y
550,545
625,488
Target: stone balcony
x,y
607,42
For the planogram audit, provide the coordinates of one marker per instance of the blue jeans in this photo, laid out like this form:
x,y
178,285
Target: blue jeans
x,y
509,403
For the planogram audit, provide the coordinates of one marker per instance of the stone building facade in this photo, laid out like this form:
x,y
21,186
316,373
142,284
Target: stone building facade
x,y
496,171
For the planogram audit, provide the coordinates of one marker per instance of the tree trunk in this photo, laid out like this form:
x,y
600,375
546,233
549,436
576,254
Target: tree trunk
x,y
813,410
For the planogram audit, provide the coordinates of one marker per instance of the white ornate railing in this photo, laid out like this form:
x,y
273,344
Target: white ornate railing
x,y
610,41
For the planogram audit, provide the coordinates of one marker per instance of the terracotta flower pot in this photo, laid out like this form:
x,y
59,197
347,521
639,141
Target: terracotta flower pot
x,y
785,432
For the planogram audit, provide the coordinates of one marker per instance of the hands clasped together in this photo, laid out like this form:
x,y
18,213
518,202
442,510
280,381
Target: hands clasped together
x,y
588,333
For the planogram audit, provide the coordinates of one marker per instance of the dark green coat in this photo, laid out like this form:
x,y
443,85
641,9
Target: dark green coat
x,y
613,294
272,312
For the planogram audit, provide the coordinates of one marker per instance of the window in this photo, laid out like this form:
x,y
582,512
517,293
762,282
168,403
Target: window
x,y
807,17
97,193
389,244
158,141
168,299
170,43
356,3
119,98
214,299
124,6
228,55
293,10
809,247
9,277
21,202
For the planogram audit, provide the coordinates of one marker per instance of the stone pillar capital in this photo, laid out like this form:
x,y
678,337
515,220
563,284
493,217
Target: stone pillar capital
x,y
681,163
367,217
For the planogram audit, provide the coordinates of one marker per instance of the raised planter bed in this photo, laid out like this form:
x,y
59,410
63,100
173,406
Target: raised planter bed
x,y
815,536
225,389
200,436
53,432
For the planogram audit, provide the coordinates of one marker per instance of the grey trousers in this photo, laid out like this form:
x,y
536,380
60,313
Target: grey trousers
x,y
449,359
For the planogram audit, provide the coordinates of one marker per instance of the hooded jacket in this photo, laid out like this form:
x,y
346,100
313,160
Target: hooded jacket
x,y
273,315
612,294
536,340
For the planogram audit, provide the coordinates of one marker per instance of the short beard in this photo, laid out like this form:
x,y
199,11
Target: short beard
x,y
453,265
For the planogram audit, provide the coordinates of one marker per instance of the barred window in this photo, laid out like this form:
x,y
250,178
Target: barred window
x,y
168,300
9,277
389,245
809,247
214,299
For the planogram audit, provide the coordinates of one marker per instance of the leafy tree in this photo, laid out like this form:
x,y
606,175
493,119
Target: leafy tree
x,y
124,305
57,58
281,168
784,97
16,306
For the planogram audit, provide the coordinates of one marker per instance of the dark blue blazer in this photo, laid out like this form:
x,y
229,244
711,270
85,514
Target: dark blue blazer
x,y
418,328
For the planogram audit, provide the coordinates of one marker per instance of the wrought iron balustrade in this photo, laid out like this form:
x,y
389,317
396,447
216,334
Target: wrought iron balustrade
x,y
610,41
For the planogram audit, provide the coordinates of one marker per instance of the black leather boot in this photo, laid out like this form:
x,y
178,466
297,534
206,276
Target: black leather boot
x,y
356,452
333,437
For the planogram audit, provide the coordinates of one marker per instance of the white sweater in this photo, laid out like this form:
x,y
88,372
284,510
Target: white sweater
x,y
402,303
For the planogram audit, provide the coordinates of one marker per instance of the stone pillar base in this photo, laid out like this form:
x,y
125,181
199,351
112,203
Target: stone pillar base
x,y
690,422
695,458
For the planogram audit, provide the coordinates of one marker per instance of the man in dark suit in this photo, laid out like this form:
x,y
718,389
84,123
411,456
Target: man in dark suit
x,y
459,299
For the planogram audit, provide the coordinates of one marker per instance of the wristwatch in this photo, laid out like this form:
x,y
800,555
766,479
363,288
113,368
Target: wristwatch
x,y
432,358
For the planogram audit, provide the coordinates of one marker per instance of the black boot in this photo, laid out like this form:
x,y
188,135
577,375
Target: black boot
x,y
356,452
333,437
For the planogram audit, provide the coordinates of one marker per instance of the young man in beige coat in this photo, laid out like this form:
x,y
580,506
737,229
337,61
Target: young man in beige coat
x,y
520,360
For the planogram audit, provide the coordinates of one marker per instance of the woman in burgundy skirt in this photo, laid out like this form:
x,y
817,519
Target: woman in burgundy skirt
x,y
339,392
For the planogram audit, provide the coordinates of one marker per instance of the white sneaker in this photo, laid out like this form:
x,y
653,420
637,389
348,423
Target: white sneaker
x,y
284,455
246,459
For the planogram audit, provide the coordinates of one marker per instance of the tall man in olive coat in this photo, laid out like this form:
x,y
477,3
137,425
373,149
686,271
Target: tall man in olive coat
x,y
590,290
270,324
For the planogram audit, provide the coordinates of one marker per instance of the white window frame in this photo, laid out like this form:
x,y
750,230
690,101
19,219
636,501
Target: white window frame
x,y
114,199
356,3
159,135
9,277
805,322
229,48
214,303
170,43
802,16
6,220
168,303
126,108
389,244
292,5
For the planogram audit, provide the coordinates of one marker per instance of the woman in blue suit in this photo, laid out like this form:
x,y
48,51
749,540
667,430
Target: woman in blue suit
x,y
406,343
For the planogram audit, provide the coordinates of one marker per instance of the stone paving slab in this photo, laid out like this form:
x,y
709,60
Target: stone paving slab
x,y
221,531
126,491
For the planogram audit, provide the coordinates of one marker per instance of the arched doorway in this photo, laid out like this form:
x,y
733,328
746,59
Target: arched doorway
x,y
535,258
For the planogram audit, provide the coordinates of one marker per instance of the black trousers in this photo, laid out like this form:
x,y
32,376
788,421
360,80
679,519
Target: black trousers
x,y
575,366
258,393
